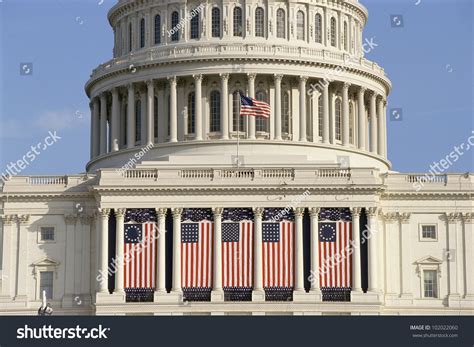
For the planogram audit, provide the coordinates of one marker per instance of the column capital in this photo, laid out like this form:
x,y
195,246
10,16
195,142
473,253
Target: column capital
x,y
86,219
252,76
390,217
9,219
362,90
278,77
355,211
104,213
217,211
468,217
303,79
371,211
258,211
161,212
314,211
346,86
130,86
176,212
372,94
404,217
23,218
70,219
299,211
120,212
150,83
115,90
172,80
452,217
224,76
197,77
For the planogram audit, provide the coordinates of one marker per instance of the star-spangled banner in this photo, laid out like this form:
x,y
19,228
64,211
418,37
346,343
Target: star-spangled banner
x,y
335,214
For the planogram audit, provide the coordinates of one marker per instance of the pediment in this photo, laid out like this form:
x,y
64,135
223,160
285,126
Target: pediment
x,y
428,260
46,262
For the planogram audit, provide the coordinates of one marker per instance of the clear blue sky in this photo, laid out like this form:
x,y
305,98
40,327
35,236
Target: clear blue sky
x,y
429,60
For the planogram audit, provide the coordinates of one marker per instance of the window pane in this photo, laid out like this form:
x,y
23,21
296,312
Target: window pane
x,y
195,25
430,284
216,22
138,120
320,116
174,29
237,21
333,32
259,22
281,23
300,25
155,117
191,112
318,27
338,119
47,234
157,29
261,122
130,37
142,33
46,284
428,231
237,120
285,112
215,111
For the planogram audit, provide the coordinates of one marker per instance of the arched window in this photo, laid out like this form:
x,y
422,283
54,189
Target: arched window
x,y
338,118
300,25
285,112
346,42
174,29
318,28
238,21
320,116
351,122
157,29
281,32
155,117
142,33
333,32
130,37
216,22
195,33
237,120
259,22
138,120
261,123
191,112
215,118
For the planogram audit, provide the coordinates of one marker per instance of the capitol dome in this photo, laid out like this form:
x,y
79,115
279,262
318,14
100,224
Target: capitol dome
x,y
171,92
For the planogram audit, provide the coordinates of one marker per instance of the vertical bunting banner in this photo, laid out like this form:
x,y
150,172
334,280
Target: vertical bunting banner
x,y
237,248
140,250
197,229
334,242
278,248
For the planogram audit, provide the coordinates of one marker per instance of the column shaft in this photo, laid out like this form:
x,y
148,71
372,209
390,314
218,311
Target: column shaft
x,y
103,124
115,123
198,107
314,242
176,282
7,256
161,258
217,279
257,250
303,137
372,245
104,250
299,267
22,256
251,120
380,130
131,117
119,250
278,105
325,124
225,106
150,103
373,124
173,110
345,114
362,119
95,128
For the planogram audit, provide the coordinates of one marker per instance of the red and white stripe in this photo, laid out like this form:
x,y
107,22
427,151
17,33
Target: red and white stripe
x,y
333,271
140,259
237,258
196,258
278,258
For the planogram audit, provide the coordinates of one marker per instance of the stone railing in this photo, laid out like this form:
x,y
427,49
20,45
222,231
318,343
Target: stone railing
x,y
197,173
334,173
427,178
278,173
48,180
140,174
167,54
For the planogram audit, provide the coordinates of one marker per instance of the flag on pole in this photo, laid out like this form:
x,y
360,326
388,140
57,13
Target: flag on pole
x,y
254,108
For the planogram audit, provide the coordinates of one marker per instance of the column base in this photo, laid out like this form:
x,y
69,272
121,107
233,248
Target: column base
x,y
468,300
217,295
161,296
315,295
258,295
454,300
369,297
6,298
67,301
106,298
301,296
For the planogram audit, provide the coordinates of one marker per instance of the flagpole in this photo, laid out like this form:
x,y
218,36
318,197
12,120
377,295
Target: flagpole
x,y
238,132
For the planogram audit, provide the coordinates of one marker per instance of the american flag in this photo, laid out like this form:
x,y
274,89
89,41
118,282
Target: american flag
x,y
252,107
237,253
278,254
335,262
196,251
140,255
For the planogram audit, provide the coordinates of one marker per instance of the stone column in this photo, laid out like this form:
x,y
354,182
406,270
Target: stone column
x,y
131,116
362,119
384,119
325,125
303,137
95,127
69,268
356,265
115,123
198,107
380,130
373,123
150,113
278,106
372,245
160,267
119,251
469,254
392,245
22,256
224,106
217,293
315,111
103,124
299,267
85,284
405,257
104,250
143,116
251,120
173,110
8,273
258,293
454,255
345,114
314,250
176,285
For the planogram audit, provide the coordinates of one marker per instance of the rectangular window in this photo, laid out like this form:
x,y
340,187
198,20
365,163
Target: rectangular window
x,y
46,234
428,232
46,284
430,283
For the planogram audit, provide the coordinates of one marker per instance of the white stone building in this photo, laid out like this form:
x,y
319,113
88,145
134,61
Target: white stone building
x,y
167,139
